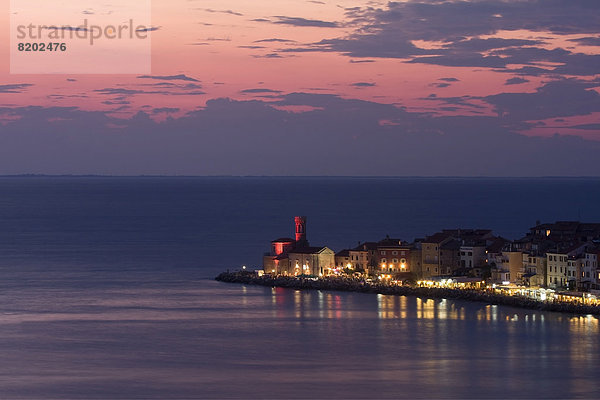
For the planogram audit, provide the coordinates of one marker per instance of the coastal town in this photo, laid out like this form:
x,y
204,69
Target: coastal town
x,y
553,262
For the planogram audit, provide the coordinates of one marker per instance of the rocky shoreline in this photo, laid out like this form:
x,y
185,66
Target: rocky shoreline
x,y
362,286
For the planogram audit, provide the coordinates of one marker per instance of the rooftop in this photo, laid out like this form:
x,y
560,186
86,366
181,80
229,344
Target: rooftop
x,y
308,250
283,240
390,242
343,253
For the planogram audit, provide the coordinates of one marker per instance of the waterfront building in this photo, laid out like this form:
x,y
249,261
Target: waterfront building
x,y
534,267
587,273
566,231
442,255
342,260
276,263
317,261
296,257
514,264
562,255
450,258
392,256
546,237
496,260
431,252
415,259
473,254
592,256
364,257
282,246
562,266
500,276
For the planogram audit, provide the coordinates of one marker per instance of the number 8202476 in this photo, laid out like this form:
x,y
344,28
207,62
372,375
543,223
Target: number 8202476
x,y
42,46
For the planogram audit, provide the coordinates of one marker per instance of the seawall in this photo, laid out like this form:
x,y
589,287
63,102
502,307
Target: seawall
x,y
361,286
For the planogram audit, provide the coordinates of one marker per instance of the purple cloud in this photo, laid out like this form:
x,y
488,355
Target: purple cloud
x,y
258,137
180,77
14,88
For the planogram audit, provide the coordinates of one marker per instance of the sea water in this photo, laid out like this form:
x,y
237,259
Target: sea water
x,y
106,291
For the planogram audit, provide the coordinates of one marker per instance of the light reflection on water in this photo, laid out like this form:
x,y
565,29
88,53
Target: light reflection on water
x,y
205,339
101,293
445,348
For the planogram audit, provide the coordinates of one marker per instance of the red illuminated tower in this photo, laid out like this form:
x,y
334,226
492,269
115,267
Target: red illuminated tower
x,y
301,231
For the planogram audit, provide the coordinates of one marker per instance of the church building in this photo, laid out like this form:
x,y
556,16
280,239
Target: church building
x,y
296,257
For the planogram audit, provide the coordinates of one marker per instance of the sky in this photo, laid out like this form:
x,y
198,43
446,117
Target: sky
x,y
309,87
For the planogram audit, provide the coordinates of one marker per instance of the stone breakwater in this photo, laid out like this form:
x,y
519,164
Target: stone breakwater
x,y
362,286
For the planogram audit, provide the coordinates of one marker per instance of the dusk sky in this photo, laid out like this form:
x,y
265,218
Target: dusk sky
x,y
346,87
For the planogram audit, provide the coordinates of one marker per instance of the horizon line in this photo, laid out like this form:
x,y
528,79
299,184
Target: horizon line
x,y
302,176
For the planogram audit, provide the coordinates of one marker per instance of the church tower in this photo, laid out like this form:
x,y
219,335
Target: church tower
x,y
301,231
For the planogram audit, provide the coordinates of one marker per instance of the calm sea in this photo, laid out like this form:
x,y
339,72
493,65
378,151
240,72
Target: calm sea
x,y
106,292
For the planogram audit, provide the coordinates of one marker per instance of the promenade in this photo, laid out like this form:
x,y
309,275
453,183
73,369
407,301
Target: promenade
x,y
348,284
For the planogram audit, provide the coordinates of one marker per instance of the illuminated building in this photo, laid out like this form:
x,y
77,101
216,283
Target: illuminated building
x,y
392,257
296,257
342,260
534,267
561,255
562,267
317,261
364,257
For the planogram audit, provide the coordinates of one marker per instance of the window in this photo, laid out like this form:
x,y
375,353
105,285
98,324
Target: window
x,y
394,253
395,260
383,252
384,260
